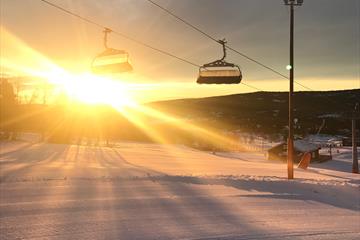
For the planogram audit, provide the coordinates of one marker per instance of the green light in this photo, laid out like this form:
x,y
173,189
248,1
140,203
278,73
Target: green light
x,y
288,67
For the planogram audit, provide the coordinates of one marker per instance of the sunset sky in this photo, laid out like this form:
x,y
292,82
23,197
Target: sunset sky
x,y
327,41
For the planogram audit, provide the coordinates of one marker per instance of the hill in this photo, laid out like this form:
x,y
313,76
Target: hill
x,y
267,112
191,121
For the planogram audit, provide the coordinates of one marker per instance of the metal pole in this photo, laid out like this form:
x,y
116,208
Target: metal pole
x,y
355,165
290,155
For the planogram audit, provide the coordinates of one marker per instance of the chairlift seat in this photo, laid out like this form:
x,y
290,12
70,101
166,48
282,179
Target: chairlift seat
x,y
219,80
111,61
219,73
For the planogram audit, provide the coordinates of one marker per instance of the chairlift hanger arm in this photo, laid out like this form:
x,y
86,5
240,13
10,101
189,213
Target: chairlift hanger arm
x,y
223,43
221,62
106,32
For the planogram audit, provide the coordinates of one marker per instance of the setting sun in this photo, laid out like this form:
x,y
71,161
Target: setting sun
x,y
93,89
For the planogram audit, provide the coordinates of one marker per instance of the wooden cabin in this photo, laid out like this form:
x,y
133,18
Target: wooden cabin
x,y
279,152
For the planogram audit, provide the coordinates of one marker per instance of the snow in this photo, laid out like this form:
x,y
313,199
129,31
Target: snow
x,y
331,115
300,145
324,140
152,191
278,100
304,146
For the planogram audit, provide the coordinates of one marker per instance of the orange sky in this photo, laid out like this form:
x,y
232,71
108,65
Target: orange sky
x,y
325,60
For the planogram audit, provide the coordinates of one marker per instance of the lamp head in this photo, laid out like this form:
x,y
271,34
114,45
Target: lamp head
x,y
294,2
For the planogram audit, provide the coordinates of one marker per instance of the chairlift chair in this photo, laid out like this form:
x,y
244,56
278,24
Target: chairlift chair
x,y
220,71
111,61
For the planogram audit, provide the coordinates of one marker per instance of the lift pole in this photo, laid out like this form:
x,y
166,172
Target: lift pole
x,y
290,142
290,156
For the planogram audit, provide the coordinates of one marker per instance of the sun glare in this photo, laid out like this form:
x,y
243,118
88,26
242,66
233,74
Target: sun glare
x,y
86,87
92,89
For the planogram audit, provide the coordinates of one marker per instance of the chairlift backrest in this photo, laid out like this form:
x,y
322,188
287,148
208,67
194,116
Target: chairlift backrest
x,y
220,73
111,61
219,76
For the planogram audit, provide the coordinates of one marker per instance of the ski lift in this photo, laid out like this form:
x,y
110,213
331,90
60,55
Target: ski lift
x,y
219,71
111,60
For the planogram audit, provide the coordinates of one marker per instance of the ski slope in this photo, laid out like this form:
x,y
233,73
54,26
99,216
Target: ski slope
x,y
152,191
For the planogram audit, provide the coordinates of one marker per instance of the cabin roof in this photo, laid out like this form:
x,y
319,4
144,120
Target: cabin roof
x,y
305,146
301,146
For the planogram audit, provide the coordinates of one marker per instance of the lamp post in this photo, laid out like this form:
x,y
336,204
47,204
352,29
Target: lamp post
x,y
290,142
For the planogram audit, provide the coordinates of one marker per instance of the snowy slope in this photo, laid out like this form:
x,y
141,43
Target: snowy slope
x,y
151,191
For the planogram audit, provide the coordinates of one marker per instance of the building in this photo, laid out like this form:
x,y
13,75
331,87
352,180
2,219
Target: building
x,y
347,141
279,152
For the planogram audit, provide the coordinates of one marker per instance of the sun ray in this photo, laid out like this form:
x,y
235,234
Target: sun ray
x,y
20,59
93,89
202,133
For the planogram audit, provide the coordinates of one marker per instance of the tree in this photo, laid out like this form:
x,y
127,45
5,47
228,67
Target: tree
x,y
7,109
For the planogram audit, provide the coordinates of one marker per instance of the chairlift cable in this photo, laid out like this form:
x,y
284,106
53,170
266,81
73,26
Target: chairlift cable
x,y
228,47
118,33
73,14
257,62
184,21
232,49
250,86
214,39
130,38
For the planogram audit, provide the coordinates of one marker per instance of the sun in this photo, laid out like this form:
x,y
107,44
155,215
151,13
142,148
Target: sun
x,y
92,89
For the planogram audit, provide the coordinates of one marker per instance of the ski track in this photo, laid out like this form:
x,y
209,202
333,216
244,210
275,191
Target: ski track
x,y
151,191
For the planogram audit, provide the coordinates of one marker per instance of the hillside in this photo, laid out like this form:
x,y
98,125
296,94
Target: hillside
x,y
267,112
261,113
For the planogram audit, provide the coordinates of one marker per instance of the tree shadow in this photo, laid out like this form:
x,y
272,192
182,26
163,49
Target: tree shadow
x,y
9,153
335,165
29,158
346,197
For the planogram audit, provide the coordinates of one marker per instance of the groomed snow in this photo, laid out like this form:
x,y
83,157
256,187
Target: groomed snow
x,y
152,191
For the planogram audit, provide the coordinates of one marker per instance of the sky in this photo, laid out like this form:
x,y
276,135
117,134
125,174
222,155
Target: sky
x,y
327,33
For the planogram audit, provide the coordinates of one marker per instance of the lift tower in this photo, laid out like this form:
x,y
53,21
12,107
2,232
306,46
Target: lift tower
x,y
290,155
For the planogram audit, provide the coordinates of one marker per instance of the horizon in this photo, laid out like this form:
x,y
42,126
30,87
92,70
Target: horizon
x,y
27,93
172,79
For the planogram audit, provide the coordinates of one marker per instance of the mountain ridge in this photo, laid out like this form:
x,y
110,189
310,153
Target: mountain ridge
x,y
268,111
